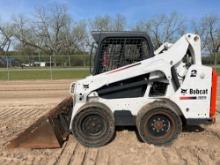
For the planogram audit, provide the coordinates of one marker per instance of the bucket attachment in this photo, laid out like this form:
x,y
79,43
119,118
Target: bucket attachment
x,y
50,131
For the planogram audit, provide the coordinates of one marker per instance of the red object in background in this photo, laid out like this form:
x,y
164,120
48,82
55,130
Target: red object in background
x,y
105,59
213,94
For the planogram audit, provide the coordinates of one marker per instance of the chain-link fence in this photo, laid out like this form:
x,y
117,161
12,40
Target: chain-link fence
x,y
19,67
34,67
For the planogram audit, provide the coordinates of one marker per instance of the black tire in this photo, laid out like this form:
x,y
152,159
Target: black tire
x,y
94,125
157,123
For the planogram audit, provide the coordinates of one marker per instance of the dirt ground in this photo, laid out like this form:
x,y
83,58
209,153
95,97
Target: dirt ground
x,y
23,102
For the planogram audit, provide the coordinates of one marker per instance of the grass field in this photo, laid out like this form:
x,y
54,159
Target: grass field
x,y
39,74
218,71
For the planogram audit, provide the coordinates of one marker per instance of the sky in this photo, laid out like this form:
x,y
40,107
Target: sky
x,y
133,10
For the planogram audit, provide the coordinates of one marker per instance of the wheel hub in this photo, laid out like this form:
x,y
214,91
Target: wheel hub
x,y
92,125
158,125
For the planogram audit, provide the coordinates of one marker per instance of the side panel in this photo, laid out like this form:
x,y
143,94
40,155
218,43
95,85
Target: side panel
x,y
194,95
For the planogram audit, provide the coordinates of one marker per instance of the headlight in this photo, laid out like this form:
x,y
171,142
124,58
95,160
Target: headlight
x,y
72,88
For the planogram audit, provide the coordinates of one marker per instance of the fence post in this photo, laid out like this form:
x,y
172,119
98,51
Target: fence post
x,y
8,74
69,62
51,75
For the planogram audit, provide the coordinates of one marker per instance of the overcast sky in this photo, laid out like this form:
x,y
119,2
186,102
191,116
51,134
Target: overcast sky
x,y
133,10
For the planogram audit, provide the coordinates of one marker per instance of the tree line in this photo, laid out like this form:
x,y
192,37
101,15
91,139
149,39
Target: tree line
x,y
53,31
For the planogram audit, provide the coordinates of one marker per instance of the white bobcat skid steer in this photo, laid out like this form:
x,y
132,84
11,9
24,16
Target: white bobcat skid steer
x,y
133,86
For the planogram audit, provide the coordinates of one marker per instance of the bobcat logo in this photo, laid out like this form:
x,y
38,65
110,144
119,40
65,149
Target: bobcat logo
x,y
183,91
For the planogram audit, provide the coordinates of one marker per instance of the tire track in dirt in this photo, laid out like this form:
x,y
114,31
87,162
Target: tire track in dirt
x,y
17,119
91,156
55,158
21,115
102,157
7,111
79,155
67,153
13,114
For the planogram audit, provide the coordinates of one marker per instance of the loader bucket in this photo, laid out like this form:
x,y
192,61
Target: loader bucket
x,y
49,131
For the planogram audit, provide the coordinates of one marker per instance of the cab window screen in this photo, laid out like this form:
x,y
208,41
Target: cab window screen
x,y
118,52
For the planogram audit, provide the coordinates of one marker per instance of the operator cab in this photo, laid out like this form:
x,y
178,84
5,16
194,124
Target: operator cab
x,y
117,49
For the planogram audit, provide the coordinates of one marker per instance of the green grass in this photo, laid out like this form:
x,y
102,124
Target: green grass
x,y
40,74
218,71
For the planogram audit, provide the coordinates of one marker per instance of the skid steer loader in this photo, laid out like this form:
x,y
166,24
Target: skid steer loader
x,y
131,85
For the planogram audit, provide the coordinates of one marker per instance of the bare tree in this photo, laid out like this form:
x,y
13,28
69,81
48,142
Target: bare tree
x,y
209,30
25,34
51,31
107,23
80,35
163,28
6,35
50,28
102,23
119,23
